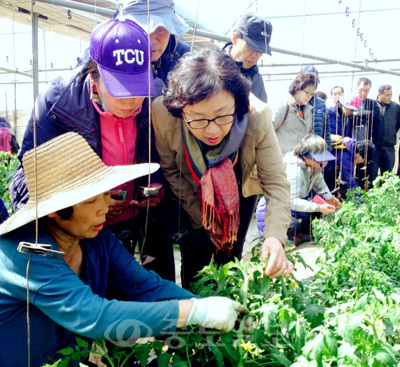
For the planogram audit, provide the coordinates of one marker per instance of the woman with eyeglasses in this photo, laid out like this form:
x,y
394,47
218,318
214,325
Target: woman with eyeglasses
x,y
293,120
210,134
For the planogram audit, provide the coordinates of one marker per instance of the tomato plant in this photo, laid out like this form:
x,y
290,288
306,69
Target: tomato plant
x,y
347,314
8,166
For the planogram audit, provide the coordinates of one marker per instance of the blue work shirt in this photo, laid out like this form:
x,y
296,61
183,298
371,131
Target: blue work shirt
x,y
114,298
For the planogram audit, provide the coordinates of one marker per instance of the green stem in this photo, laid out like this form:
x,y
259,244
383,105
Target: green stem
x,y
285,292
127,358
102,344
186,347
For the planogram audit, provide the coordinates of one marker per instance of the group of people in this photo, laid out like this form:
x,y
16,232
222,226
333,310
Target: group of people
x,y
366,131
87,195
359,135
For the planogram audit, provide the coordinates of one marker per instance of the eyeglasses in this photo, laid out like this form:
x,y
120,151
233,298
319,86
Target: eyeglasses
x,y
203,123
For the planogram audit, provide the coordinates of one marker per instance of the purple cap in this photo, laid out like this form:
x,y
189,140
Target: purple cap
x,y
121,50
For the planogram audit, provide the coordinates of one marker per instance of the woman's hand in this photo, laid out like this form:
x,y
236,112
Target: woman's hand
x,y
333,201
151,201
278,264
327,208
115,206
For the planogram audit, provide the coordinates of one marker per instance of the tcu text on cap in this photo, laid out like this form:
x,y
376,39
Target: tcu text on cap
x,y
129,55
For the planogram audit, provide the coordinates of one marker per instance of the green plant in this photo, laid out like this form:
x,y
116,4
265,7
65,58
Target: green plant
x,y
348,314
8,166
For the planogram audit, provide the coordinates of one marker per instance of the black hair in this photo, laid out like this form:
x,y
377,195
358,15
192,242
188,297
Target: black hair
x,y
337,86
382,88
90,66
321,95
201,75
66,213
302,81
364,80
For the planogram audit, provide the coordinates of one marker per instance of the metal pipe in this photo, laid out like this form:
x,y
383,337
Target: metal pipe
x,y
298,54
218,37
79,6
334,61
10,71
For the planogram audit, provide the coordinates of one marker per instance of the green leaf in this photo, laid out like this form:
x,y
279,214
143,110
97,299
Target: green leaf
x,y
65,362
281,359
265,285
347,324
300,339
142,352
385,358
318,350
330,342
163,360
361,303
270,313
314,314
217,353
179,364
66,351
82,343
228,350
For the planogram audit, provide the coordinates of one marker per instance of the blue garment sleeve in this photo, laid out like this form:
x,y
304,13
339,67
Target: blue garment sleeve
x,y
80,308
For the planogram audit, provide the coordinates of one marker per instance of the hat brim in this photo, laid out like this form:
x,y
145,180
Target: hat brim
x,y
104,180
346,104
323,156
350,107
127,85
258,46
173,23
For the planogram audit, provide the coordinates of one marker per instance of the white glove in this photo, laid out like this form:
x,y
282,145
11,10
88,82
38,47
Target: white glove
x,y
215,313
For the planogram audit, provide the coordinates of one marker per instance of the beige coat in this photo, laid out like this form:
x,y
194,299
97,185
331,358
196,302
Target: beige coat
x,y
259,147
294,128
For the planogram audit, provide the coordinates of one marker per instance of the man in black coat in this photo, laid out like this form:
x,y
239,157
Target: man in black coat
x,y
365,128
385,136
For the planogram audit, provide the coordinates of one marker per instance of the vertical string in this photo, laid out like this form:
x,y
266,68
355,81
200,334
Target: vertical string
x,y
195,25
149,74
35,190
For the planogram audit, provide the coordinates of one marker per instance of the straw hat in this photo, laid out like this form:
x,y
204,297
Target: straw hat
x,y
68,172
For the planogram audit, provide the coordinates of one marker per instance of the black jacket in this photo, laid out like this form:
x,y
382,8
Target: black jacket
x,y
66,106
390,123
257,82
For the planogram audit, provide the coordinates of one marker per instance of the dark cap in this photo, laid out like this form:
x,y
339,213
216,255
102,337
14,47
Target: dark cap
x,y
256,31
310,69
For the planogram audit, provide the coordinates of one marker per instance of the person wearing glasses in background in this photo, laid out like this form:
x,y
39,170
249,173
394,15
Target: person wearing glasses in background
x,y
293,120
210,132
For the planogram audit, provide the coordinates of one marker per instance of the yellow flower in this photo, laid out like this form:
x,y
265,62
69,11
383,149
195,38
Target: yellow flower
x,y
251,348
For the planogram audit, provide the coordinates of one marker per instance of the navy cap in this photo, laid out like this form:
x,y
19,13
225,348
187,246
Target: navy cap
x,y
256,31
310,69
